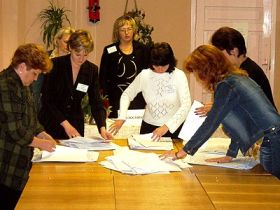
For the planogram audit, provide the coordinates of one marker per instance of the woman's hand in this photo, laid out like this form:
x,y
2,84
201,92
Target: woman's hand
x,y
203,111
69,129
225,159
43,144
116,126
174,155
159,132
105,134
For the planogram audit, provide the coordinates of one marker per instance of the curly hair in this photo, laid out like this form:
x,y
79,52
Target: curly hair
x,y
210,65
34,56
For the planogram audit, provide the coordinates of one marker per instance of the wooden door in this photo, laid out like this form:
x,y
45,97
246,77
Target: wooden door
x,y
253,18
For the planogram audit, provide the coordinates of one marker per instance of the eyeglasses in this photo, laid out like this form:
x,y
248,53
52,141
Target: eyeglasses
x,y
126,30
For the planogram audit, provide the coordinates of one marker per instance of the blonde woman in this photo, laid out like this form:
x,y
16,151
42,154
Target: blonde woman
x,y
121,62
71,78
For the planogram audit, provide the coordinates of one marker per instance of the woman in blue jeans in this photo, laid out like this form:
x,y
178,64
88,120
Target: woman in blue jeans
x,y
239,105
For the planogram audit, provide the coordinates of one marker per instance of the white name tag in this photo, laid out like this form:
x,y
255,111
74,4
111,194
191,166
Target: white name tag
x,y
82,87
111,49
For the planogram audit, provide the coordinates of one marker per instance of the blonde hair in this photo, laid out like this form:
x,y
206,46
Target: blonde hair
x,y
61,32
121,21
81,40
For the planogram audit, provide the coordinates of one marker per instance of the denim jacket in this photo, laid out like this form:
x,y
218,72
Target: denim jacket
x,y
244,111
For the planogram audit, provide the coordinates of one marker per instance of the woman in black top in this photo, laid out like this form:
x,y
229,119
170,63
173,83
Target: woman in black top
x,y
72,77
121,62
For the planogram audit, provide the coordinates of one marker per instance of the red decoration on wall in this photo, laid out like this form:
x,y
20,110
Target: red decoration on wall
x,y
93,10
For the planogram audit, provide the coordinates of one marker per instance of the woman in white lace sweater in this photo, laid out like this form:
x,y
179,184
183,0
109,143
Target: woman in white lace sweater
x,y
166,92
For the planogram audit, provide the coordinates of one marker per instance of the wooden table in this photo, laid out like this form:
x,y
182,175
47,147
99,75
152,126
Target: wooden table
x,y
90,186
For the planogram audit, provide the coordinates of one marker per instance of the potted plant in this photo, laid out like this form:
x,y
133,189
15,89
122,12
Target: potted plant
x,y
52,19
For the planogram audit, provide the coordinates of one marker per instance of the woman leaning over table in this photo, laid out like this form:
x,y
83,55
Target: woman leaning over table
x,y
20,130
72,77
121,62
166,93
239,104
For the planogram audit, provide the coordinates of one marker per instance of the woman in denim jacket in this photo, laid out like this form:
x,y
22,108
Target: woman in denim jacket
x,y
239,104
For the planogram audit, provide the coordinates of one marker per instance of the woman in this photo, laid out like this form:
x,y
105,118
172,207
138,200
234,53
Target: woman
x,y
239,104
166,93
60,48
60,42
20,130
121,62
72,77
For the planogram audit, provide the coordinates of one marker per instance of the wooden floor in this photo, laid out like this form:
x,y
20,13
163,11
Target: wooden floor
x,y
90,186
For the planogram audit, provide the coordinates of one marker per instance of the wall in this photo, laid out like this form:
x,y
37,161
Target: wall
x,y
171,23
171,20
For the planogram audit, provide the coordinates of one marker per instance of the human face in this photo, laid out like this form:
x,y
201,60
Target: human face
x,y
232,56
27,76
126,33
160,69
62,44
78,58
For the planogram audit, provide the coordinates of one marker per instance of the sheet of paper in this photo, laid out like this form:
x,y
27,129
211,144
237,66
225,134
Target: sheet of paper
x,y
217,147
192,122
67,154
94,143
144,141
134,162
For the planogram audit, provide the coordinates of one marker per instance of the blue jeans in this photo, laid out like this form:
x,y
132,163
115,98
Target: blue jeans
x,y
270,152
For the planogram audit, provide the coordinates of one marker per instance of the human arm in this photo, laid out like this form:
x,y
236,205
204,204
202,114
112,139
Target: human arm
x,y
182,100
174,155
43,141
69,129
225,99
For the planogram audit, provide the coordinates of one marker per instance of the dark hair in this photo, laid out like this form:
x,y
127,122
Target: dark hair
x,y
34,56
210,65
161,55
226,38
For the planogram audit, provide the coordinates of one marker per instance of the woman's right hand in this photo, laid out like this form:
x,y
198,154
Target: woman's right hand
x,y
225,159
116,126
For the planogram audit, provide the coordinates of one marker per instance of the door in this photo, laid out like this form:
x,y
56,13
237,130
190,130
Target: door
x,y
253,18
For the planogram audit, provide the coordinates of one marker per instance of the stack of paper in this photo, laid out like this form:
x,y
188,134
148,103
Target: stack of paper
x,y
97,143
67,154
134,162
144,141
217,147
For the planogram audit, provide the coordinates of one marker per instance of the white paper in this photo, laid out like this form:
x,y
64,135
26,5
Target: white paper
x,y
144,141
95,143
67,154
217,147
134,162
192,122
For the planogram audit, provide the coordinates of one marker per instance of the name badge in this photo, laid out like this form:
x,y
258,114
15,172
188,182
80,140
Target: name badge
x,y
82,87
111,49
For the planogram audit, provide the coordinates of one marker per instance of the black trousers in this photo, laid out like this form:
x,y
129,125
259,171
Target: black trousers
x,y
148,128
8,197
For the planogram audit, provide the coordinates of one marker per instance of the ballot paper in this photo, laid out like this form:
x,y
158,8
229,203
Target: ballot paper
x,y
192,122
145,141
134,162
217,147
94,143
67,154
